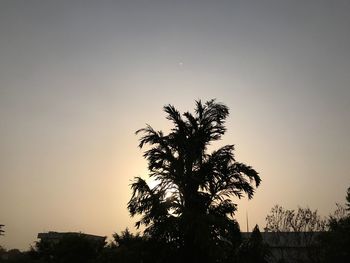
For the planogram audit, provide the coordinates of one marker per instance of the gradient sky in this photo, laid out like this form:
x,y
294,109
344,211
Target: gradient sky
x,y
77,78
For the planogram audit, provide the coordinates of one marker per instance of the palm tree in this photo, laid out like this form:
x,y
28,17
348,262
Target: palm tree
x,y
192,204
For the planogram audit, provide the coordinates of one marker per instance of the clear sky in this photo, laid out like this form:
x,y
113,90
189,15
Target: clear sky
x,y
77,78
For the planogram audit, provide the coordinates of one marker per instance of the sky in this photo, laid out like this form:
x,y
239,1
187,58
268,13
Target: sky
x,y
78,78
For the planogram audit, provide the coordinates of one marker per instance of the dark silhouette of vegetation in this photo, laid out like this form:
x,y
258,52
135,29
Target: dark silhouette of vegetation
x,y
191,207
15,256
286,220
254,249
128,247
305,225
72,247
336,241
1,230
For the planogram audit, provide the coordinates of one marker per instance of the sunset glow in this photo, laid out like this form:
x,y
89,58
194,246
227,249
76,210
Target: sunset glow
x,y
78,78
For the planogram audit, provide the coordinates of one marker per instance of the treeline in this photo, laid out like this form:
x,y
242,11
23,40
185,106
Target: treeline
x,y
330,243
125,247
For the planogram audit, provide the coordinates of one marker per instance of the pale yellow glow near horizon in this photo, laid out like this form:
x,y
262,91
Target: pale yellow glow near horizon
x,y
77,81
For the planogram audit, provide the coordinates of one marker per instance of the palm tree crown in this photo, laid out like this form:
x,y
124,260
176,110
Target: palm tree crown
x,y
198,214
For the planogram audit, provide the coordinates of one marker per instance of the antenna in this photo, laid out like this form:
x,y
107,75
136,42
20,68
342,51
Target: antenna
x,y
247,221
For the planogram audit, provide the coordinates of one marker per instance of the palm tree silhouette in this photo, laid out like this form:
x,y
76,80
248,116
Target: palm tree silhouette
x,y
1,230
191,205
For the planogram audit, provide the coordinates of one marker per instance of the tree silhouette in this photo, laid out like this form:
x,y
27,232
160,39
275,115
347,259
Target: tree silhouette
x,y
136,248
1,230
305,225
336,241
254,249
191,206
286,220
129,247
71,247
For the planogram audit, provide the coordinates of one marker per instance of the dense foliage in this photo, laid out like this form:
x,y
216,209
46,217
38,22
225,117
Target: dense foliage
x,y
1,230
191,207
336,241
72,247
254,249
